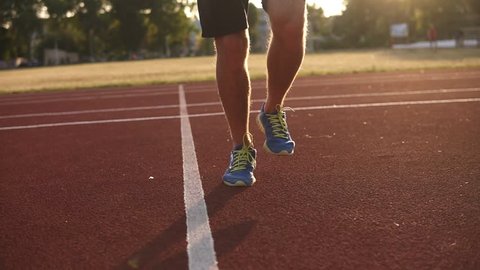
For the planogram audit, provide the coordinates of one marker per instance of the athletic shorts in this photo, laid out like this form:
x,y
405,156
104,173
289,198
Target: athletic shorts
x,y
222,17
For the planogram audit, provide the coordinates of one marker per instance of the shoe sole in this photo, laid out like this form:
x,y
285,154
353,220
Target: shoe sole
x,y
281,153
265,146
240,183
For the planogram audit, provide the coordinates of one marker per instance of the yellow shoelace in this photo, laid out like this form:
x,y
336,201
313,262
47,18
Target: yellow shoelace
x,y
279,125
243,157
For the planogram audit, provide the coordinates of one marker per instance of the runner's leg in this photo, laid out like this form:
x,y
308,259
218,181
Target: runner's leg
x,y
287,48
233,82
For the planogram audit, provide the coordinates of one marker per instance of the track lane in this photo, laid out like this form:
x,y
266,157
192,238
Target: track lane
x,y
98,93
112,116
369,87
407,103
367,188
429,77
217,103
88,104
382,187
81,197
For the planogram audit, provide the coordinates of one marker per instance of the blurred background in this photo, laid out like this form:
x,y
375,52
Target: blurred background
x,y
55,32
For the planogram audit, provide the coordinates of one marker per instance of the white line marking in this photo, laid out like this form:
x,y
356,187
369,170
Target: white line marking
x,y
379,79
92,97
302,82
84,93
394,93
80,123
89,111
380,94
387,104
321,80
340,106
86,98
201,254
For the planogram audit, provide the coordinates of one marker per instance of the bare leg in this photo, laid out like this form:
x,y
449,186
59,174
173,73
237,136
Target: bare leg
x,y
233,82
287,48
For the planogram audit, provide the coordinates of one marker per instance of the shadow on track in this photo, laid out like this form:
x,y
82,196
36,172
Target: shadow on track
x,y
157,254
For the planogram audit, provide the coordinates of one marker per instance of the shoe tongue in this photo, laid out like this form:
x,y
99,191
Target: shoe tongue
x,y
238,147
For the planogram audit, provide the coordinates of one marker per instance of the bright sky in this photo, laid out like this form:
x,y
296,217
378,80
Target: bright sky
x,y
330,7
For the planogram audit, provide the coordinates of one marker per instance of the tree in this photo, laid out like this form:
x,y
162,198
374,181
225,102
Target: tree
x,y
252,24
90,22
319,32
58,11
18,21
446,15
168,26
358,23
131,22
365,23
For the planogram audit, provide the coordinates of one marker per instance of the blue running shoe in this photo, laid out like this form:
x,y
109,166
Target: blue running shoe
x,y
274,126
242,163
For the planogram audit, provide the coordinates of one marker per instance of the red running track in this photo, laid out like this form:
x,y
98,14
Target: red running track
x,y
388,178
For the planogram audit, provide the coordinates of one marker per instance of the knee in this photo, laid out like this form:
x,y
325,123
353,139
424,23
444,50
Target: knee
x,y
233,48
291,30
291,34
288,21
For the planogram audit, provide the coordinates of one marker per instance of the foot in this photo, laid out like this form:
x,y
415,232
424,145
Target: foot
x,y
274,125
240,170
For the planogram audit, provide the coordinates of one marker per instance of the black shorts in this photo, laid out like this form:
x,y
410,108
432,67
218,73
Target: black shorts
x,y
222,17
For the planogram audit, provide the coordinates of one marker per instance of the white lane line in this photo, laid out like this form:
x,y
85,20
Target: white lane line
x,y
93,97
325,107
142,108
83,93
201,254
388,104
380,94
394,93
302,82
369,80
86,98
346,80
81,123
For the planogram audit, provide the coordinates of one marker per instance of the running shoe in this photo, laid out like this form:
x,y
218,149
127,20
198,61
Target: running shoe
x,y
242,163
274,125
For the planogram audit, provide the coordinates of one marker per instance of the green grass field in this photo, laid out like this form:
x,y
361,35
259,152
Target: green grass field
x,y
163,71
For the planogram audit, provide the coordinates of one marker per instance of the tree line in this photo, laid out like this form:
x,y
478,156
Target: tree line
x,y
120,29
365,23
110,28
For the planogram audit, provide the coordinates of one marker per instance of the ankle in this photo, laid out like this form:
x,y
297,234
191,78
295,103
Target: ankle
x,y
269,108
246,139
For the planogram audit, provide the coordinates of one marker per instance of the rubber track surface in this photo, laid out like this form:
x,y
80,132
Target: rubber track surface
x,y
387,187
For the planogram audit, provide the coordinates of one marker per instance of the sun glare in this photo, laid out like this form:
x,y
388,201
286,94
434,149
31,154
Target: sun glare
x,y
330,7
